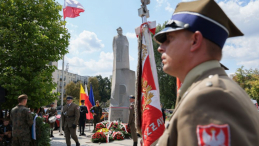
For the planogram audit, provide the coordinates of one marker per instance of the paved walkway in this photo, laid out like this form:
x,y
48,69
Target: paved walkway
x,y
59,140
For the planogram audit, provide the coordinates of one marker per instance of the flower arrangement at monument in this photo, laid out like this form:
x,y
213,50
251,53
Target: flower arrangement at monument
x,y
109,131
99,126
117,135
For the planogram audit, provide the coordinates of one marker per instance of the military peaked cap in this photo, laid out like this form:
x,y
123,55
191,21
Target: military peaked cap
x,y
203,15
83,101
69,98
132,96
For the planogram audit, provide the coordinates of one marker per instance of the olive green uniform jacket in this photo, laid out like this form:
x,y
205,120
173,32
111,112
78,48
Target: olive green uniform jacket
x,y
98,111
208,96
131,123
70,115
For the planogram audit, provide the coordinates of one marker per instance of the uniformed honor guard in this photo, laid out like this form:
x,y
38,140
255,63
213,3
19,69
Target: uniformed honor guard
x,y
21,122
82,119
131,122
51,112
70,116
97,113
211,109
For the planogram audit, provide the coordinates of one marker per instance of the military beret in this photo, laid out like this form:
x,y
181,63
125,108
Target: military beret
x,y
202,15
82,100
69,98
132,96
23,96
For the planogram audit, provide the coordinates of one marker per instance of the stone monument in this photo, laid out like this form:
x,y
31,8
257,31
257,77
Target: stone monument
x,y
123,79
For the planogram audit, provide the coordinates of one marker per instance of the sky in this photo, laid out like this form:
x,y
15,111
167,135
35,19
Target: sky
x,y
91,52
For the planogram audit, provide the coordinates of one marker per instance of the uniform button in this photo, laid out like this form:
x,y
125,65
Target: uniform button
x,y
209,84
210,76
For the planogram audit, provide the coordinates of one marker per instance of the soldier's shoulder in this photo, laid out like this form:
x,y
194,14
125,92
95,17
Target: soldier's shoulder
x,y
215,82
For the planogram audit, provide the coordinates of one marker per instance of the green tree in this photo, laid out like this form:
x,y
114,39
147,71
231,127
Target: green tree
x,y
95,86
32,35
104,88
249,81
73,89
167,83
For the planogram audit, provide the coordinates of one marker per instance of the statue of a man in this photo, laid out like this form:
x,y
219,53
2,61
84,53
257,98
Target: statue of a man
x,y
145,2
120,50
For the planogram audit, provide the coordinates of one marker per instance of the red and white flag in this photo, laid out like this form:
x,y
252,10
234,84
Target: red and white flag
x,y
72,8
149,116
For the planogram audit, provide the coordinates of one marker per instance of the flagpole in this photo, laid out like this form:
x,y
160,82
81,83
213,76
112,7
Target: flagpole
x,y
62,91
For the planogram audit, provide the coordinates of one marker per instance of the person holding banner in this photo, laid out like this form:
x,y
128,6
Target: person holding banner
x,y
211,109
131,122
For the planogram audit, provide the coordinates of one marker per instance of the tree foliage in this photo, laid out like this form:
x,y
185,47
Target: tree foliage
x,y
73,89
104,88
95,86
31,35
249,81
167,83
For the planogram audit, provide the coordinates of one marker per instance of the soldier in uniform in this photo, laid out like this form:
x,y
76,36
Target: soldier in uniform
x,y
51,112
211,109
70,116
97,113
82,119
131,122
21,121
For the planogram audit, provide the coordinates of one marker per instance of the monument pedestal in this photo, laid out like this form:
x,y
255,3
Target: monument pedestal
x,y
119,113
123,85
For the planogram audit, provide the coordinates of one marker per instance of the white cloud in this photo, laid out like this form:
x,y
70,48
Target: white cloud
x,y
131,58
131,35
169,8
102,66
86,42
246,17
160,2
244,50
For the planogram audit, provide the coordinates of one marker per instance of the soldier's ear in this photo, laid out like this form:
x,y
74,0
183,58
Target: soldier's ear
x,y
196,39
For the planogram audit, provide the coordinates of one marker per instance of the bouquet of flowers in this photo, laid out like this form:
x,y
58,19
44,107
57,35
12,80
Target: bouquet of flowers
x,y
99,137
117,135
99,126
103,130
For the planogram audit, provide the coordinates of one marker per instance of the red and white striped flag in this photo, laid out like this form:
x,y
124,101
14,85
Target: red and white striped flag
x,y
149,116
72,8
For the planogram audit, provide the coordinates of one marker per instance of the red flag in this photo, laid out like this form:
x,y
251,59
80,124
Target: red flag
x,y
178,84
149,116
72,8
88,104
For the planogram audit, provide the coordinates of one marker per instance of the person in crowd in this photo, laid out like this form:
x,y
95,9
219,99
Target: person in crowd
x,y
131,122
97,113
21,122
51,112
82,119
70,116
6,132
